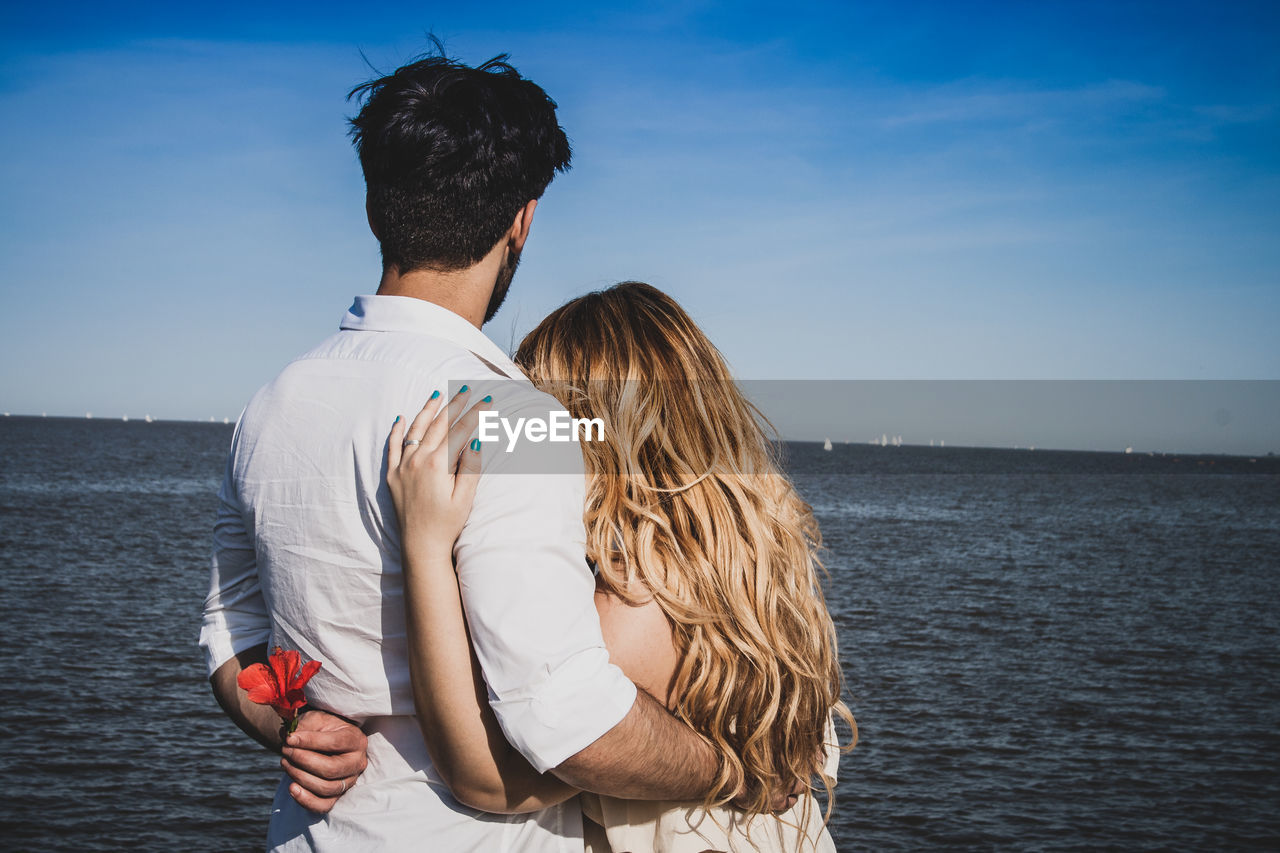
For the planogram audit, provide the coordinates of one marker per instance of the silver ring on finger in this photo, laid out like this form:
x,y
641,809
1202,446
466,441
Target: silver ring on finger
x,y
344,787
412,442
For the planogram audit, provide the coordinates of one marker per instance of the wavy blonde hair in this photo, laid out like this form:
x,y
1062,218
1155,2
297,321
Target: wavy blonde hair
x,y
687,503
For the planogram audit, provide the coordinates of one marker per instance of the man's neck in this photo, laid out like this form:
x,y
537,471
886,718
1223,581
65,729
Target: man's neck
x,y
465,292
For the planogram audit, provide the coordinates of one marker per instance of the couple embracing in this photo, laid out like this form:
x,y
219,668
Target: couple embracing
x,y
616,644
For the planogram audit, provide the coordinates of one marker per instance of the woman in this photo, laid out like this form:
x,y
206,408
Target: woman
x,y
707,583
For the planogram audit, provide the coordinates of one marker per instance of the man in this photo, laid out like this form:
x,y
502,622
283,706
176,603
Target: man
x,y
306,545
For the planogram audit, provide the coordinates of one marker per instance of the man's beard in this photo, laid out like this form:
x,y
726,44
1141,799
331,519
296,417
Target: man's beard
x,y
500,285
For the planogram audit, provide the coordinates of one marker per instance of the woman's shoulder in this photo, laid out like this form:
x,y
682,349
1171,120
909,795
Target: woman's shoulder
x,y
639,640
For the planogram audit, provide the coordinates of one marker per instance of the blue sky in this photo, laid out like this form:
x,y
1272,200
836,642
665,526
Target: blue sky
x,y
861,190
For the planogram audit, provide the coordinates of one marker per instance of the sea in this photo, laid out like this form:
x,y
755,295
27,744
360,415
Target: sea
x,y
1044,650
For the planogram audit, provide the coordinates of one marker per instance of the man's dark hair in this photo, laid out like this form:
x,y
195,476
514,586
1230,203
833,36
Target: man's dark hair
x,y
450,153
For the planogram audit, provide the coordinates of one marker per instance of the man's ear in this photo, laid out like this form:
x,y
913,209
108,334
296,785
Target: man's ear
x,y
521,224
368,215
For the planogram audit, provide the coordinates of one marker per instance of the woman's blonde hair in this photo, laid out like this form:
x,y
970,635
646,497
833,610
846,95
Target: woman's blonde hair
x,y
687,503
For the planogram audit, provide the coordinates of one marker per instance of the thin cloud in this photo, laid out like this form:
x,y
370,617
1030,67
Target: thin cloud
x,y
964,104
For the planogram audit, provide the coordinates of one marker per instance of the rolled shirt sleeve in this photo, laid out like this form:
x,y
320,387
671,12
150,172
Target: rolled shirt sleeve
x,y
529,598
235,613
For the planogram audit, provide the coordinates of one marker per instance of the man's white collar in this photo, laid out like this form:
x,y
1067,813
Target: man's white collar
x,y
374,313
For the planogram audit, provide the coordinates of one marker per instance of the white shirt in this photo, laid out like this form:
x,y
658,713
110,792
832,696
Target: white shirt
x,y
307,556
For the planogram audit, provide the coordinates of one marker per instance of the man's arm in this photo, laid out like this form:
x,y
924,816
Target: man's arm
x,y
259,722
324,756
530,607
326,752
650,755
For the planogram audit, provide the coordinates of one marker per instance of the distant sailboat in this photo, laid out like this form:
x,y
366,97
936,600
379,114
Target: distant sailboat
x,y
826,445
147,418
125,418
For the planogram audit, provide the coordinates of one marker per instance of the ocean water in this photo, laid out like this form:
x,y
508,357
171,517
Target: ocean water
x,y
1044,650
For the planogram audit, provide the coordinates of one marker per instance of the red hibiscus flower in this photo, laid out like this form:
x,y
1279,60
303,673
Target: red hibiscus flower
x,y
279,683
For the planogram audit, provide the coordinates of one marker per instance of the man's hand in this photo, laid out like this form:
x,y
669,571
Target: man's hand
x,y
780,799
324,757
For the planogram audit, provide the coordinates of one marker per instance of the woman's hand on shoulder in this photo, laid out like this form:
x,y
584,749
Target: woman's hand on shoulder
x,y
433,465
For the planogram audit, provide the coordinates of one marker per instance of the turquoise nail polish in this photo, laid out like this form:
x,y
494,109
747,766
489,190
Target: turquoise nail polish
x,y
396,421
462,390
475,444
488,399
434,394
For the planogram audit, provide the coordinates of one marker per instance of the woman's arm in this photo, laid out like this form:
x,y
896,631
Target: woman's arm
x,y
468,748
433,483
